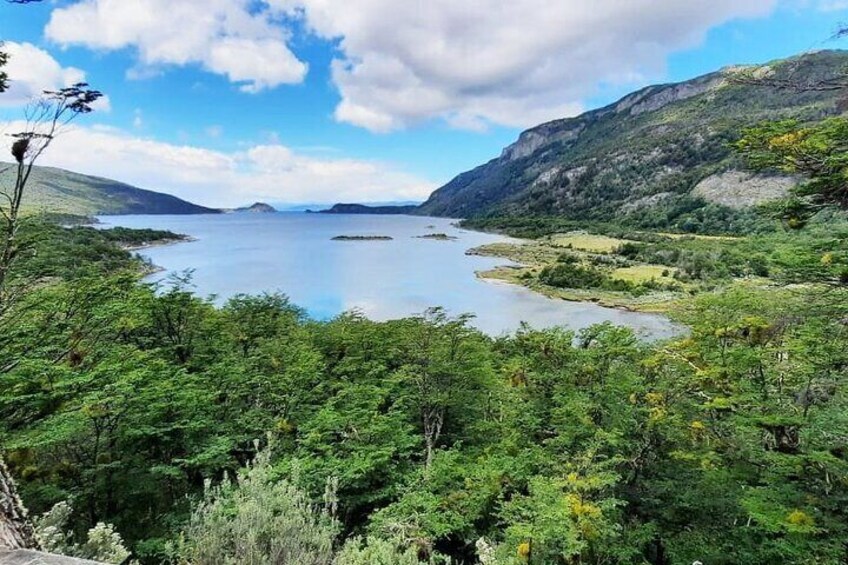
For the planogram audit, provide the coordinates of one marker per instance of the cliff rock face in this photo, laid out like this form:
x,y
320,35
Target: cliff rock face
x,y
15,530
737,189
18,545
666,140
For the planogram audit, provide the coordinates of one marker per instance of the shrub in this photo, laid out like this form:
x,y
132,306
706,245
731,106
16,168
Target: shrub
x,y
257,520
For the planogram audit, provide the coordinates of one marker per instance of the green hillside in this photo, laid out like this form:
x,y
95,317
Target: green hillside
x,y
650,155
58,191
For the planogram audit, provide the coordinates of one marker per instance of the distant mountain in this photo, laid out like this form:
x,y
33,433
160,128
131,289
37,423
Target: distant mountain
x,y
661,148
58,191
316,207
256,208
363,209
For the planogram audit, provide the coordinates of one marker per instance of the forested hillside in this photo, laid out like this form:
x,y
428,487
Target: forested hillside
x,y
656,158
421,439
57,191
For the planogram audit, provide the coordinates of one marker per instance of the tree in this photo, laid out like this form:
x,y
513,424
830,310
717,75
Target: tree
x,y
258,520
817,151
446,367
45,119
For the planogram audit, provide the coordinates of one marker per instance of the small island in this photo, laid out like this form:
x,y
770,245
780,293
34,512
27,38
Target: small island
x,y
390,209
362,238
256,208
437,237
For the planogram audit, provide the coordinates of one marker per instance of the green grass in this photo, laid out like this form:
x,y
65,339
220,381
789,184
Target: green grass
x,y
587,242
644,273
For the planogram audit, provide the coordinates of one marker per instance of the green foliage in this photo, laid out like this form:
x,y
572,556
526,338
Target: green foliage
x,y
570,275
818,151
257,520
375,551
422,435
102,542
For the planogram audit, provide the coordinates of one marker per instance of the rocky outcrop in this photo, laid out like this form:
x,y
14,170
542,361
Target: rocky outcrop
x,y
15,530
31,557
675,93
738,189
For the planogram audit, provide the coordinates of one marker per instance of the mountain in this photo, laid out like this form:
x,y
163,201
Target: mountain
x,y
257,208
658,148
64,192
363,209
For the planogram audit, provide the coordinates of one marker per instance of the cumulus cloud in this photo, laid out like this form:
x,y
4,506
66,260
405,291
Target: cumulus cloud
x,y
517,63
268,172
226,37
33,70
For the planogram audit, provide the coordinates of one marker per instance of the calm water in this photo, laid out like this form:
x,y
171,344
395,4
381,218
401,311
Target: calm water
x,y
293,253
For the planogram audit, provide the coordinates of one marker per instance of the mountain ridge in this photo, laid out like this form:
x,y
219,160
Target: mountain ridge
x,y
59,191
647,151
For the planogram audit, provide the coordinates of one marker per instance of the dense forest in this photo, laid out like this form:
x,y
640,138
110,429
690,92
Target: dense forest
x,y
420,440
143,422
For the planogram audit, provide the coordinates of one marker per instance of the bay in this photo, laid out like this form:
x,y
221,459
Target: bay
x,y
295,254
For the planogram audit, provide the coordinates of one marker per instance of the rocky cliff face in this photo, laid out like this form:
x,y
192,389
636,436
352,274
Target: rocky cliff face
x,y
663,140
15,530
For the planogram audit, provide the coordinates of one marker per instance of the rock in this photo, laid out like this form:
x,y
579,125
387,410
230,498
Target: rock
x,y
738,189
30,557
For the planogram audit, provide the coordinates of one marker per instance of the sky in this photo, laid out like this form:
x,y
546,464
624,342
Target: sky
x,y
227,102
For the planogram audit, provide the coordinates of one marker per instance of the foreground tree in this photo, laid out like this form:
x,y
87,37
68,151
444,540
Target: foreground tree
x,y
45,120
818,152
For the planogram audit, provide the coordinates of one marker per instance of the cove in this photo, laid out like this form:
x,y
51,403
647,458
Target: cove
x,y
381,267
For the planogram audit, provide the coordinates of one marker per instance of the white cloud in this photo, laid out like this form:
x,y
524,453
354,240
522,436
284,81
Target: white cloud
x,y
226,37
32,70
516,63
833,5
269,172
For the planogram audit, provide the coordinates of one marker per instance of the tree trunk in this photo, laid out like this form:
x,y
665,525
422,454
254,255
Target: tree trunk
x,y
15,530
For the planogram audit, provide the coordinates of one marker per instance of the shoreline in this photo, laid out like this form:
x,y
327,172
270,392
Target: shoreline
x,y
159,243
147,269
529,256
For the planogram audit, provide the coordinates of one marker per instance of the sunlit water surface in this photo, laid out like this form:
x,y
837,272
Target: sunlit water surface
x,y
293,253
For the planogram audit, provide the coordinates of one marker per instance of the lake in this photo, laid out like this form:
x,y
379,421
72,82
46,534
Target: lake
x,y
293,253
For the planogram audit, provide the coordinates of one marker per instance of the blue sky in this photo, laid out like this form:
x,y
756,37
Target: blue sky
x,y
228,101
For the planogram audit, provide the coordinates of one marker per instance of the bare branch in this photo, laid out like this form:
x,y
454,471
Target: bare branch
x,y
45,119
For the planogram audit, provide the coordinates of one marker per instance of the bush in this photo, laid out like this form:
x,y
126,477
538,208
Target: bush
x,y
375,551
257,520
